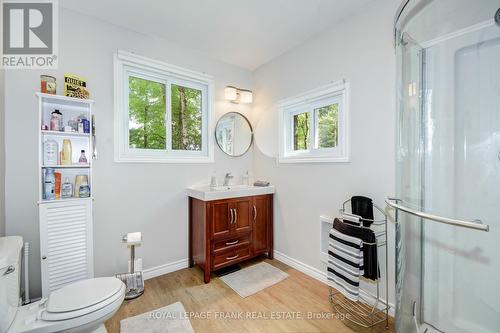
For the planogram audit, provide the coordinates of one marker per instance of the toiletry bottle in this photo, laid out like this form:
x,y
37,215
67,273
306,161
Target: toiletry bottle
x,y
49,183
66,189
213,181
84,190
74,124
66,152
50,152
57,185
60,119
83,158
56,121
79,180
81,117
246,178
86,126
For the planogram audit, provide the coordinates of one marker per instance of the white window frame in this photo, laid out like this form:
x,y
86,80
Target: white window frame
x,y
127,64
337,92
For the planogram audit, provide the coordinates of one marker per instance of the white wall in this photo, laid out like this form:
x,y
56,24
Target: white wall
x,y
128,197
359,49
2,153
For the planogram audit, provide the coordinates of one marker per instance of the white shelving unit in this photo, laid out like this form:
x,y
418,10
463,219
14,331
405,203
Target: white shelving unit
x,y
66,241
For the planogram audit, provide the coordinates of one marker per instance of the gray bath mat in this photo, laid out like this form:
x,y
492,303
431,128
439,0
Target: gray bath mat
x,y
169,319
253,279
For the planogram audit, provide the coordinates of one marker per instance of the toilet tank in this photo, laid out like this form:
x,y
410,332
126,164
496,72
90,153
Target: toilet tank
x,y
10,279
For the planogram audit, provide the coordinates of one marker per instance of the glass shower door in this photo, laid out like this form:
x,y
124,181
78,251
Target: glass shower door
x,y
448,172
462,180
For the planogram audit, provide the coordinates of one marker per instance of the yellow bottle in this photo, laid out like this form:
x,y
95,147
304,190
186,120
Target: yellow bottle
x,y
66,152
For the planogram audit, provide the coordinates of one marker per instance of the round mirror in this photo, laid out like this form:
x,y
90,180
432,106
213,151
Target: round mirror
x,y
234,134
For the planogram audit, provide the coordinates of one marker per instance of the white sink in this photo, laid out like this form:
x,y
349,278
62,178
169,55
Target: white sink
x,y
205,193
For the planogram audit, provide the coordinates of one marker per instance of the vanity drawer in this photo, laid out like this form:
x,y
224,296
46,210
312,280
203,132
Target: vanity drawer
x,y
238,254
230,243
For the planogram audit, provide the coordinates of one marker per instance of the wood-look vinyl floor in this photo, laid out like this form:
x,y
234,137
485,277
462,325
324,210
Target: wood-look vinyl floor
x,y
283,307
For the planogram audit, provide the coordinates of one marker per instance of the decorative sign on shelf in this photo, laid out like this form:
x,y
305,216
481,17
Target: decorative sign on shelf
x,y
75,86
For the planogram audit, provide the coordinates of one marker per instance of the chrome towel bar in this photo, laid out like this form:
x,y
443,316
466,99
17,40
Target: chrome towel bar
x,y
476,224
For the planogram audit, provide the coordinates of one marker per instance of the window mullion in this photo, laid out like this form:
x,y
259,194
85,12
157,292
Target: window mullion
x,y
168,115
312,122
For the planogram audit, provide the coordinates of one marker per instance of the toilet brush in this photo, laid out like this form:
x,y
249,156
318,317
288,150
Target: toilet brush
x,y
133,280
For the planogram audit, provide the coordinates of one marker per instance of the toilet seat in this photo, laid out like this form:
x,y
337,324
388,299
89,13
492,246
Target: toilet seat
x,y
34,318
81,298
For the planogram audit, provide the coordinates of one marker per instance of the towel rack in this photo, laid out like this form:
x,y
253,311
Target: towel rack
x,y
371,309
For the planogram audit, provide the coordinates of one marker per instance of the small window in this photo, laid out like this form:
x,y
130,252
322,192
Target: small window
x,y
314,126
162,112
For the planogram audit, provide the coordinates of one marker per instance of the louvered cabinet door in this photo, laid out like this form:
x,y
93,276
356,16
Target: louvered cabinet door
x,y
66,246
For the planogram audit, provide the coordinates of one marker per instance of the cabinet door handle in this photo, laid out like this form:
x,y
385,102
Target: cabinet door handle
x,y
254,213
233,257
235,215
232,216
232,243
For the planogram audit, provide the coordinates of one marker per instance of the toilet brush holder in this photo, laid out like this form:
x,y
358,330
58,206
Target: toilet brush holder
x,y
133,280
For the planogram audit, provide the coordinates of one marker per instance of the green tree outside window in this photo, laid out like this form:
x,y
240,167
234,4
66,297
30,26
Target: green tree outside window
x,y
147,108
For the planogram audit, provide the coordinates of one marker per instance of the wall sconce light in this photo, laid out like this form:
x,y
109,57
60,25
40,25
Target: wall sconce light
x,y
237,95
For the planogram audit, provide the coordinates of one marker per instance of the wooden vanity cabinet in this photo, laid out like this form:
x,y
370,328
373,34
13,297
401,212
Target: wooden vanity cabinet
x,y
229,231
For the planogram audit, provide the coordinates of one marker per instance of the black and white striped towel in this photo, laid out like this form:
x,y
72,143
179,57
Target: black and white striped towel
x,y
345,263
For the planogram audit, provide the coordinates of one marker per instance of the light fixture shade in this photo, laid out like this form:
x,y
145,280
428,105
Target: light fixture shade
x,y
231,93
246,96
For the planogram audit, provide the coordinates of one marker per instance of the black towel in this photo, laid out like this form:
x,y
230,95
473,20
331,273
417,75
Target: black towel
x,y
369,251
363,207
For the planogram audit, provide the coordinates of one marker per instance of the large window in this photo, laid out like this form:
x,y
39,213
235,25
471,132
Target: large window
x,y
314,126
162,112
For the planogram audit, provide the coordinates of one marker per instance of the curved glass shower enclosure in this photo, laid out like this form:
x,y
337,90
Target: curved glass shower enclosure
x,y
448,166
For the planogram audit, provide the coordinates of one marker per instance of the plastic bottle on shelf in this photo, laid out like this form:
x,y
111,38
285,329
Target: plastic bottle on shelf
x,y
57,187
81,117
66,153
49,185
56,121
83,158
84,190
79,180
81,124
66,189
50,152
73,124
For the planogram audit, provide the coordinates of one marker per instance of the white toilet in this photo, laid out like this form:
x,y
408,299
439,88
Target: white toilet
x,y
81,306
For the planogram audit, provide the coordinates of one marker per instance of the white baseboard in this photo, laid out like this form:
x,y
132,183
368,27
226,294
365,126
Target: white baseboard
x,y
300,266
313,272
153,272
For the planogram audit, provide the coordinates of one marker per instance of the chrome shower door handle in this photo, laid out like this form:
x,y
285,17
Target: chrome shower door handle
x,y
475,224
9,270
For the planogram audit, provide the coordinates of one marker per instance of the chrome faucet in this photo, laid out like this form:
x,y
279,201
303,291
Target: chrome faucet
x,y
227,178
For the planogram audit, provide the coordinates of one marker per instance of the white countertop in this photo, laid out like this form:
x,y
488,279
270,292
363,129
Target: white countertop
x,y
205,193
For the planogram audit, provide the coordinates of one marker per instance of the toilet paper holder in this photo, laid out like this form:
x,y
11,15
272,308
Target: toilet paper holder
x,y
133,280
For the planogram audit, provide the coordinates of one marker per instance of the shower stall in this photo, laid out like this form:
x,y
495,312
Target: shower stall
x,y
447,204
